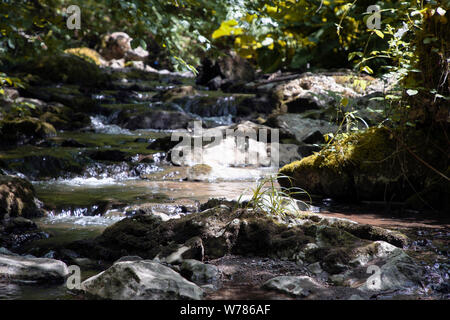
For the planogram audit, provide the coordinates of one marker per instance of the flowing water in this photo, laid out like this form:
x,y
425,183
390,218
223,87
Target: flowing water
x,y
82,206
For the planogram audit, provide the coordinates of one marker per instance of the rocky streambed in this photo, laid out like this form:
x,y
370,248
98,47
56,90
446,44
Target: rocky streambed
x,y
89,179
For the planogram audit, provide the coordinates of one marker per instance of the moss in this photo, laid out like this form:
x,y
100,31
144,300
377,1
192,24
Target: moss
x,y
67,68
360,150
102,141
87,54
333,237
375,164
25,130
374,233
43,162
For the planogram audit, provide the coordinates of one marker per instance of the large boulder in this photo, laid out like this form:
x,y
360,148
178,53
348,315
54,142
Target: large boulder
x,y
15,267
380,266
372,165
317,91
141,280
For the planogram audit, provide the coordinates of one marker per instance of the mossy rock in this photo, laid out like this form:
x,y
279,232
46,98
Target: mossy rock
x,y
68,68
176,93
87,54
41,163
25,130
66,119
17,198
376,164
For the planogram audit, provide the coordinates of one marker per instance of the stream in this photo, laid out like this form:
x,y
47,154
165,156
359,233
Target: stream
x,y
81,203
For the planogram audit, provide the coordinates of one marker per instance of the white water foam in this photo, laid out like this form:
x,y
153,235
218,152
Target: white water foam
x,y
77,218
99,124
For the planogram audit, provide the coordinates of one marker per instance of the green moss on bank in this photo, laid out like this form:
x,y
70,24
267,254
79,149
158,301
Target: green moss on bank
x,y
376,164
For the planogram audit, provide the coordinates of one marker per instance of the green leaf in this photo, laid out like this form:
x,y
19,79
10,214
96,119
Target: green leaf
x,y
344,101
143,44
351,55
367,69
379,33
411,92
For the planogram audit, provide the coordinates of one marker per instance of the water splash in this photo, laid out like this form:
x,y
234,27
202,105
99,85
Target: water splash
x,y
100,124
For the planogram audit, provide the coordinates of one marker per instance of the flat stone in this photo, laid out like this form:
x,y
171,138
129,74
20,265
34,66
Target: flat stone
x,y
32,269
141,280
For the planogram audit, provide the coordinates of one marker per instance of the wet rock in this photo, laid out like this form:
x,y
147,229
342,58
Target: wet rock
x,y
300,286
32,269
141,280
215,202
77,100
200,273
18,198
259,103
215,232
377,249
23,131
46,164
16,232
